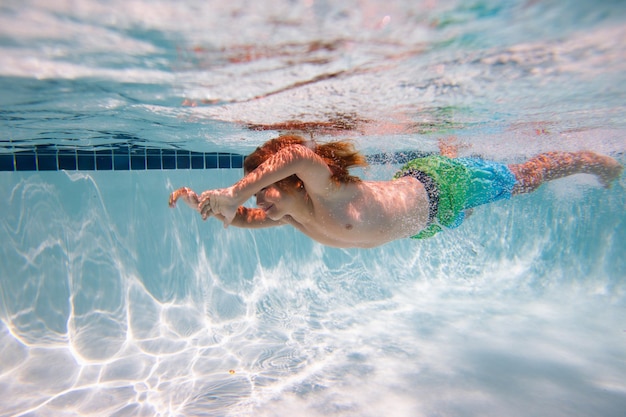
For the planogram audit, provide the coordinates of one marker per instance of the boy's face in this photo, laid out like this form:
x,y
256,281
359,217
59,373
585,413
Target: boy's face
x,y
276,201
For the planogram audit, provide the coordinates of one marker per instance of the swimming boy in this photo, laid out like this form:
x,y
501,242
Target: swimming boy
x,y
308,186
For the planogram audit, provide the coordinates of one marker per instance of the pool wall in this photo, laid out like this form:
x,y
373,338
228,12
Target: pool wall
x,y
113,302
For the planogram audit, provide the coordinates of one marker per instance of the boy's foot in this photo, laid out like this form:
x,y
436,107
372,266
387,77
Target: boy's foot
x,y
449,147
605,168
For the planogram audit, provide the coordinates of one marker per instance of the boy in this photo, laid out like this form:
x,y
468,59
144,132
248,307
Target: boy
x,y
308,186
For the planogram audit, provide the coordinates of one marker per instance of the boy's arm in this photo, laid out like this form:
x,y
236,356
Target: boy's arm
x,y
296,159
251,218
245,217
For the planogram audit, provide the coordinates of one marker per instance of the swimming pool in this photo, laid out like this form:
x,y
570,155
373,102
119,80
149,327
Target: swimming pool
x,y
114,304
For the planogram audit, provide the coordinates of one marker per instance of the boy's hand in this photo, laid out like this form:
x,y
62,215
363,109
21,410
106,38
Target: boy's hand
x,y
188,196
221,201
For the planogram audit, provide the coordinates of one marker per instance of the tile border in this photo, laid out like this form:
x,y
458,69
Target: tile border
x,y
123,158
133,158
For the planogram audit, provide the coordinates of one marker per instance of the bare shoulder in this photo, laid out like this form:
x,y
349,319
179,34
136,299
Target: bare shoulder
x,y
312,169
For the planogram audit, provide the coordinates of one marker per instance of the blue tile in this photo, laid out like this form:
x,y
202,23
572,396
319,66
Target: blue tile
x,y
183,159
25,161
104,160
47,162
67,160
237,161
137,162
6,162
197,160
153,158
211,160
121,162
121,159
86,160
168,156
224,160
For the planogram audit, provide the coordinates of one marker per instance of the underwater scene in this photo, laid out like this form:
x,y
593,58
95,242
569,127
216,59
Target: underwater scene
x,y
114,304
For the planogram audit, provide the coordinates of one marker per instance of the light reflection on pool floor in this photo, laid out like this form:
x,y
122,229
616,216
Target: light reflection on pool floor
x,y
146,315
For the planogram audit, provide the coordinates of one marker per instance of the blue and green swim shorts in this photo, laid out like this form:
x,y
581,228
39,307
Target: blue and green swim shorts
x,y
455,185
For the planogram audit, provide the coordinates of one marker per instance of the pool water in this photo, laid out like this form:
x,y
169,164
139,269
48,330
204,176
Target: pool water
x,y
111,303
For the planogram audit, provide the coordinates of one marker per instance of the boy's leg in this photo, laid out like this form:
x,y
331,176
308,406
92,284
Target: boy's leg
x,y
448,147
553,165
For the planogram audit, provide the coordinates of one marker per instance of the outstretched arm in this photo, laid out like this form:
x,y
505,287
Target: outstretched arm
x,y
244,217
295,159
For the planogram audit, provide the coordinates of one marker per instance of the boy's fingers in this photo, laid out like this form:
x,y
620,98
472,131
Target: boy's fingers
x,y
173,197
187,194
205,210
204,204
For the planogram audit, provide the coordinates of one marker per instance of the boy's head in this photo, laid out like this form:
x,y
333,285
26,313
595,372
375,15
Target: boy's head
x,y
269,148
339,156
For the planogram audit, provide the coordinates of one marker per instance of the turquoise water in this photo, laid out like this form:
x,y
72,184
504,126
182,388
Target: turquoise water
x,y
111,303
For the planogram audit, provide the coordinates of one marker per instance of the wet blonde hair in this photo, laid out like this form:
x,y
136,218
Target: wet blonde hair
x,y
340,156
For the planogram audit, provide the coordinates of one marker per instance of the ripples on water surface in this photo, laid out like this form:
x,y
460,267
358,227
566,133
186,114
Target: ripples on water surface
x,y
113,304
